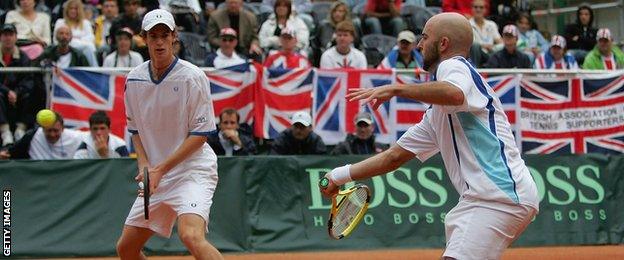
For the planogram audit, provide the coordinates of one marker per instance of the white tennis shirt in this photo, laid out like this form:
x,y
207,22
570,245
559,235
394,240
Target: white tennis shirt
x,y
165,112
474,139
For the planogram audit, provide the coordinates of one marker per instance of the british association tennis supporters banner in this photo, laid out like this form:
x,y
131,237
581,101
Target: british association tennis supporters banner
x,y
582,114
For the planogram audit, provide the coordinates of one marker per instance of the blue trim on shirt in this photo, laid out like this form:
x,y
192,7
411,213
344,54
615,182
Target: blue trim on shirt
x,y
134,132
133,79
201,133
149,68
454,140
122,151
482,141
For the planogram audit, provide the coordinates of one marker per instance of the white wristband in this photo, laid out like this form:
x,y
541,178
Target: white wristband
x,y
341,175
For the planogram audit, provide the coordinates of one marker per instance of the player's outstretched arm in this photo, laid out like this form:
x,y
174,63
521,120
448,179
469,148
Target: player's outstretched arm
x,y
379,164
436,92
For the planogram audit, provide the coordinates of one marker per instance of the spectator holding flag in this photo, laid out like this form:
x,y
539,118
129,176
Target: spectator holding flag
x,y
555,57
287,57
605,56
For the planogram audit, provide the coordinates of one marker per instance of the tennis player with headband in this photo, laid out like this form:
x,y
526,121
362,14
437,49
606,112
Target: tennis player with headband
x,y
170,113
467,125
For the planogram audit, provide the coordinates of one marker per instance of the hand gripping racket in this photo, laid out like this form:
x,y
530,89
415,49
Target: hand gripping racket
x,y
348,209
146,192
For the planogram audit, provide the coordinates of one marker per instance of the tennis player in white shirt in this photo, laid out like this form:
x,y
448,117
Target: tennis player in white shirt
x,y
170,113
468,127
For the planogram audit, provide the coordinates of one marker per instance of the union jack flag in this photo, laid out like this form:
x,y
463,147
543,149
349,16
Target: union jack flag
x,y
234,87
76,94
577,115
506,89
333,115
407,112
282,93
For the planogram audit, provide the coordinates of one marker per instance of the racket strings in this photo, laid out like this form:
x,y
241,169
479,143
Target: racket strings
x,y
351,206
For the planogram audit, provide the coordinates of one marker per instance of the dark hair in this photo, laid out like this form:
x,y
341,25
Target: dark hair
x,y
591,14
288,3
529,18
99,117
229,111
59,118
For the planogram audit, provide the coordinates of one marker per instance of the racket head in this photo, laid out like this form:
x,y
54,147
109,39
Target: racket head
x,y
146,192
348,209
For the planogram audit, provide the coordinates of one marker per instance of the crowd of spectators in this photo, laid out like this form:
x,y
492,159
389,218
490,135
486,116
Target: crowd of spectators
x,y
282,34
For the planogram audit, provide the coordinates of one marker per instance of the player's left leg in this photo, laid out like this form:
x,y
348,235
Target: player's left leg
x,y
192,230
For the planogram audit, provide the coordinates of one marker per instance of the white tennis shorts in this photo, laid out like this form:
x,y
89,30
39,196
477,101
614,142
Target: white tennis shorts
x,y
478,229
188,194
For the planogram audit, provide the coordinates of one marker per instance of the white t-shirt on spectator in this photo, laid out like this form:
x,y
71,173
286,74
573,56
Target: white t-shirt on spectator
x,y
64,148
133,59
64,60
86,150
223,61
485,35
331,59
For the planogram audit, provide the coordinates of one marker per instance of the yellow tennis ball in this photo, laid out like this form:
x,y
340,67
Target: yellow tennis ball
x,y
46,118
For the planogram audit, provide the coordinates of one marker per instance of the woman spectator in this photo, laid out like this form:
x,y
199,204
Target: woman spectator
x,y
271,29
531,41
82,31
33,28
581,36
325,32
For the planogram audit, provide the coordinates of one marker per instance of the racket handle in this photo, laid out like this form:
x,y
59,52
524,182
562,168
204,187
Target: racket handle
x,y
324,182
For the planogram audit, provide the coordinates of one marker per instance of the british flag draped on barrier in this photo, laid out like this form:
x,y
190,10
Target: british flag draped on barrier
x,y
551,115
583,114
76,94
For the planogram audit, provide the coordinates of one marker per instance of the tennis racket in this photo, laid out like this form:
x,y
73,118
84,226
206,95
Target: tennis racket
x,y
348,209
146,192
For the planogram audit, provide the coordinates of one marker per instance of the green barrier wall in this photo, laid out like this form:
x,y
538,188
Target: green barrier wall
x,y
77,208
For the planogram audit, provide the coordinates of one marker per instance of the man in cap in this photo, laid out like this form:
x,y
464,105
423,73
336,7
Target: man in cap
x,y
16,89
405,55
170,114
555,57
343,55
363,140
287,57
604,56
509,57
123,56
226,55
299,138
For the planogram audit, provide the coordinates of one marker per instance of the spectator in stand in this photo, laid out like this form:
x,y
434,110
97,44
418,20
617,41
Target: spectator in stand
x,y
581,36
229,140
302,8
531,41
123,56
287,57
45,143
16,89
103,23
299,139
83,38
384,16
62,54
325,32
555,57
242,21
485,32
131,19
343,55
464,7
99,143
226,55
363,140
509,57
283,17
605,56
404,55
33,28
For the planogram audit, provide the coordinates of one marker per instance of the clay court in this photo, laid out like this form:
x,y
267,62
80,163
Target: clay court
x,y
554,253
